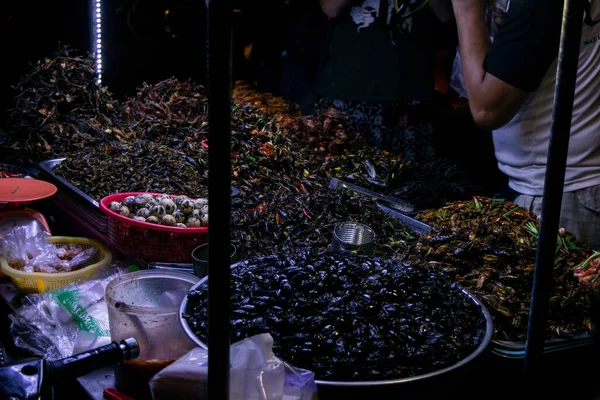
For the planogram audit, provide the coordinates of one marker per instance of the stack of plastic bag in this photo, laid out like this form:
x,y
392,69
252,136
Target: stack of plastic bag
x,y
65,321
256,374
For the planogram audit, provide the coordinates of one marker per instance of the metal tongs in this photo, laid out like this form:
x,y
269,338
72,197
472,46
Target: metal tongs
x,y
398,208
390,201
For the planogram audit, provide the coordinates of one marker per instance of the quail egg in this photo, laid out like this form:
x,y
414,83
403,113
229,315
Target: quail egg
x,y
198,203
180,225
158,211
179,199
168,219
169,205
115,206
129,202
204,209
196,213
186,206
138,218
193,222
179,216
152,202
143,212
152,219
124,211
142,199
204,219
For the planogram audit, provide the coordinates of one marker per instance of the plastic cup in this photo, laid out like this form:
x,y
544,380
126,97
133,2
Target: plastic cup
x,y
145,305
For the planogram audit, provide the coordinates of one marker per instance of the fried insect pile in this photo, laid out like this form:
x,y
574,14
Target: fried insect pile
x,y
350,318
490,246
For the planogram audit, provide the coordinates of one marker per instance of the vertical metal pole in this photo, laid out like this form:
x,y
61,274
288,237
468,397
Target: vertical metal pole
x,y
219,196
566,77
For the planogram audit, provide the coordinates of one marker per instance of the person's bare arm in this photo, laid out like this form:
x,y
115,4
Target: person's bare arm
x,y
333,8
442,9
493,102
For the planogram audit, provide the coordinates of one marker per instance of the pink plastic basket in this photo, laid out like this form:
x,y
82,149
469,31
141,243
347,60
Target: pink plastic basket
x,y
147,241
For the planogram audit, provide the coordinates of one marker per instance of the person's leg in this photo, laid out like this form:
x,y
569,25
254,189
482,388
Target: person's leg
x,y
527,202
580,213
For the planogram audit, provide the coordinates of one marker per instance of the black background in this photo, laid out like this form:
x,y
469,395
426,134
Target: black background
x,y
30,31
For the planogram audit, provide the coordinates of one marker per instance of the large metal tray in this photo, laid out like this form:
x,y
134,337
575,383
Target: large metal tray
x,y
516,350
483,346
48,168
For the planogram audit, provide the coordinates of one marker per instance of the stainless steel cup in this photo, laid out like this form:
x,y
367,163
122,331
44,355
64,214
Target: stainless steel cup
x,y
353,237
200,259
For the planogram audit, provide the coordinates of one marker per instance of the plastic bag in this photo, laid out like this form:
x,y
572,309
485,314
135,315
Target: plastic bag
x,y
256,374
19,245
65,321
34,253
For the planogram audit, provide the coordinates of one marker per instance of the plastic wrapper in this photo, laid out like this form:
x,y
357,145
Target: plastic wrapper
x,y
256,374
34,253
24,218
65,321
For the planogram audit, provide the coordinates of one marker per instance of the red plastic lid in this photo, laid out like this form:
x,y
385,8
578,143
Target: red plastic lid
x,y
16,191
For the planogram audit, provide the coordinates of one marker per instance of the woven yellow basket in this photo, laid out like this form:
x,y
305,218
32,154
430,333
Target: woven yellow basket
x,y
39,282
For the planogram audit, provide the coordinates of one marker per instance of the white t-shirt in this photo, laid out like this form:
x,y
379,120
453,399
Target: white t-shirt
x,y
522,145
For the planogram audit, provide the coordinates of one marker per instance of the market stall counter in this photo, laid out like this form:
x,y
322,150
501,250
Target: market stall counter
x,y
298,176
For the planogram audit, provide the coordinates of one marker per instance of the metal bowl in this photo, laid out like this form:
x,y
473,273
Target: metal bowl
x,y
479,351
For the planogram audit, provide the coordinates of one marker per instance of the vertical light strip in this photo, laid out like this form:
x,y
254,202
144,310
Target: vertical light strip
x,y
97,45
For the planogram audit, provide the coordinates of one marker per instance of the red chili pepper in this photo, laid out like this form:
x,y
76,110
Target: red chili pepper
x,y
259,208
301,187
267,151
204,143
306,214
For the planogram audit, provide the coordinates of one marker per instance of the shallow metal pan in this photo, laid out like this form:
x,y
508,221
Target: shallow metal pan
x,y
483,346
